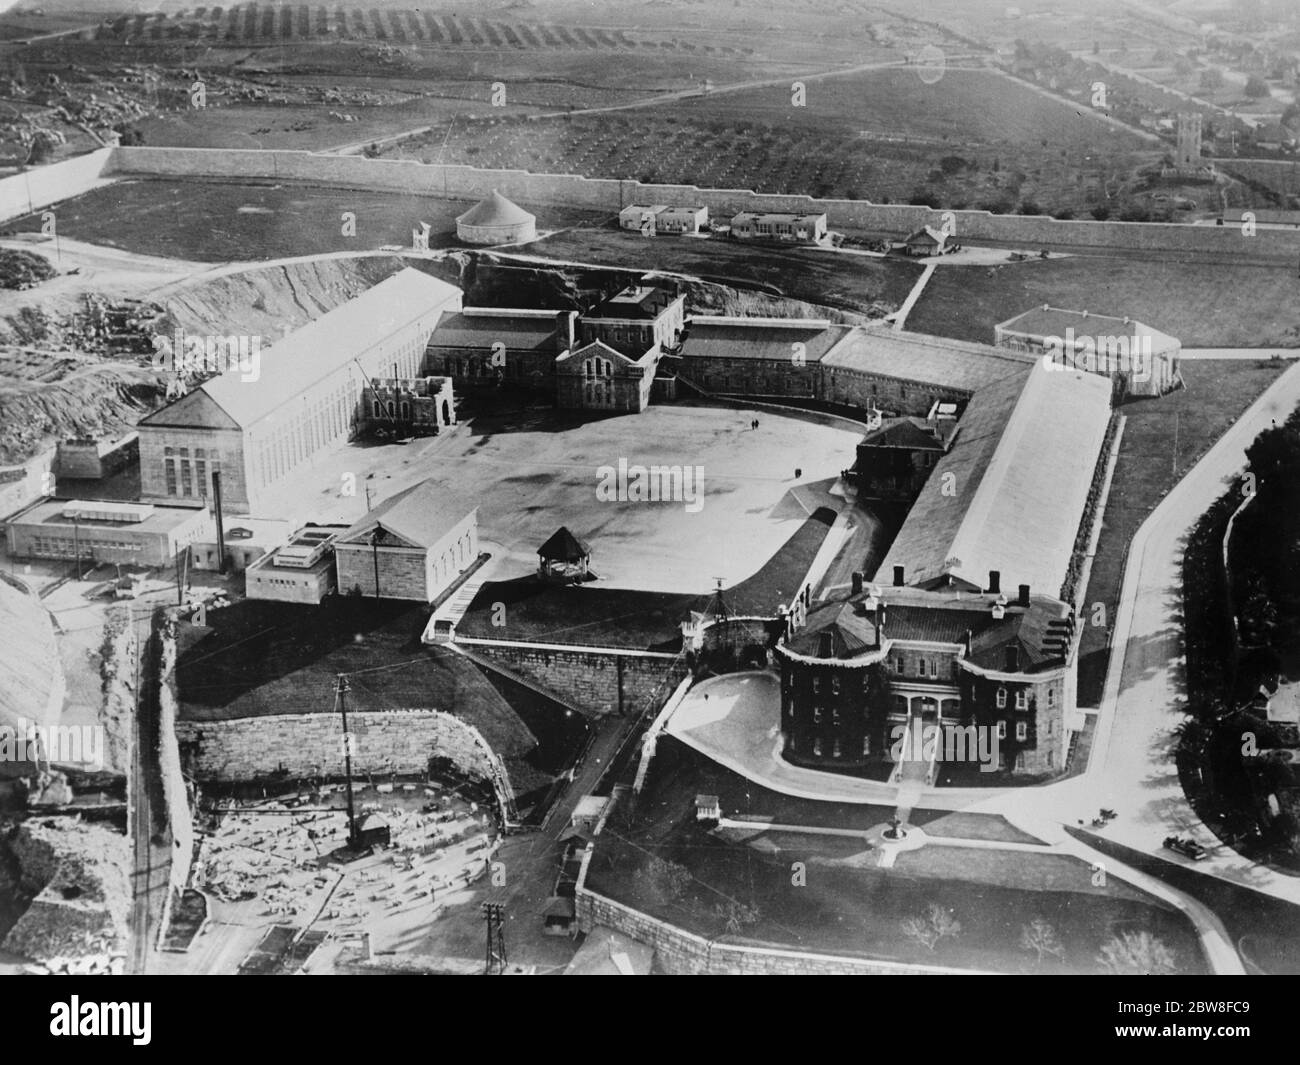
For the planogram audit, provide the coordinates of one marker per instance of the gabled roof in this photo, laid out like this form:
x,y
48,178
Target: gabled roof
x,y
635,301
522,332
923,360
606,952
194,410
928,235
417,517
563,546
1011,492
495,210
599,347
910,434
711,337
292,365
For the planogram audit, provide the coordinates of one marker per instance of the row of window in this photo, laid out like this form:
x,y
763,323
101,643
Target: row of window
x,y
837,751
57,545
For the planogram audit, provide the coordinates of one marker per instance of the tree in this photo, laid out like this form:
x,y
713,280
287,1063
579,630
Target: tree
x,y
1040,937
1257,88
668,880
736,915
934,926
1211,79
1136,954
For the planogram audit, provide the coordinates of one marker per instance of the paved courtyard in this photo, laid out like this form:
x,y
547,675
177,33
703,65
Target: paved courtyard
x,y
532,472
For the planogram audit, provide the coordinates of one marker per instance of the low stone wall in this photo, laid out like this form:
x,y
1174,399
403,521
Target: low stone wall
x,y
683,953
598,680
305,745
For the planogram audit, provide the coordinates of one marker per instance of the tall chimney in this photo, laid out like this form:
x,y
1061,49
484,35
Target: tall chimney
x,y
1024,595
898,576
969,635
857,583
221,528
880,624
995,581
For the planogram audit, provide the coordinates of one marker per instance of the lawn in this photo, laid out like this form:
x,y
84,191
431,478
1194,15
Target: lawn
x,y
266,658
1204,305
650,621
845,905
852,283
972,139
1149,466
211,221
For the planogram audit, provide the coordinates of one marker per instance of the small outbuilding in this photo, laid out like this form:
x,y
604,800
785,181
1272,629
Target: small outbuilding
x,y
563,557
495,220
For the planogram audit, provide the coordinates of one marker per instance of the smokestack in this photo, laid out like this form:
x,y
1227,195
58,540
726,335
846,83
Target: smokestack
x,y
880,625
221,528
898,576
1024,595
995,581
857,583
969,635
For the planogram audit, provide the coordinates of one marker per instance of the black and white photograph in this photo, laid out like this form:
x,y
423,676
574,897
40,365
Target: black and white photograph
x,y
651,487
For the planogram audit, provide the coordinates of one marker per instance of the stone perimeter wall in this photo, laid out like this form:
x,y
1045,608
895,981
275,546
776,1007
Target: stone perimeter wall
x,y
683,953
571,190
590,679
400,741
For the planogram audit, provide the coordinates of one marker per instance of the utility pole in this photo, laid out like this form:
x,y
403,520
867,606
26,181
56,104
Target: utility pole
x,y
496,939
341,688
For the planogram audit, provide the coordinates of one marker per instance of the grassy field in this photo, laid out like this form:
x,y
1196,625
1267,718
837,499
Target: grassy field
x,y
975,138
1149,466
1202,304
854,283
220,222
847,905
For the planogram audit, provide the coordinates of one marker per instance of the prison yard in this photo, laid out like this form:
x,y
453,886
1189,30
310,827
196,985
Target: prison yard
x,y
222,222
609,640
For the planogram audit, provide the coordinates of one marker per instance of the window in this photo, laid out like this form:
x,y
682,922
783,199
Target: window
x,y
835,714
1049,759
866,681
1020,761
170,468
898,664
817,715
817,684
1002,730
1051,696
835,687
835,750
1022,700
1022,730
920,667
378,410
817,745
866,745
1002,698
934,668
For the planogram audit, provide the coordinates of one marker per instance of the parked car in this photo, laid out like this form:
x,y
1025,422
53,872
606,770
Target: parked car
x,y
1188,848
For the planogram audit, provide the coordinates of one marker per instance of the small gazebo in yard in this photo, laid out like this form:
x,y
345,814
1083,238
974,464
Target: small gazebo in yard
x,y
563,557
